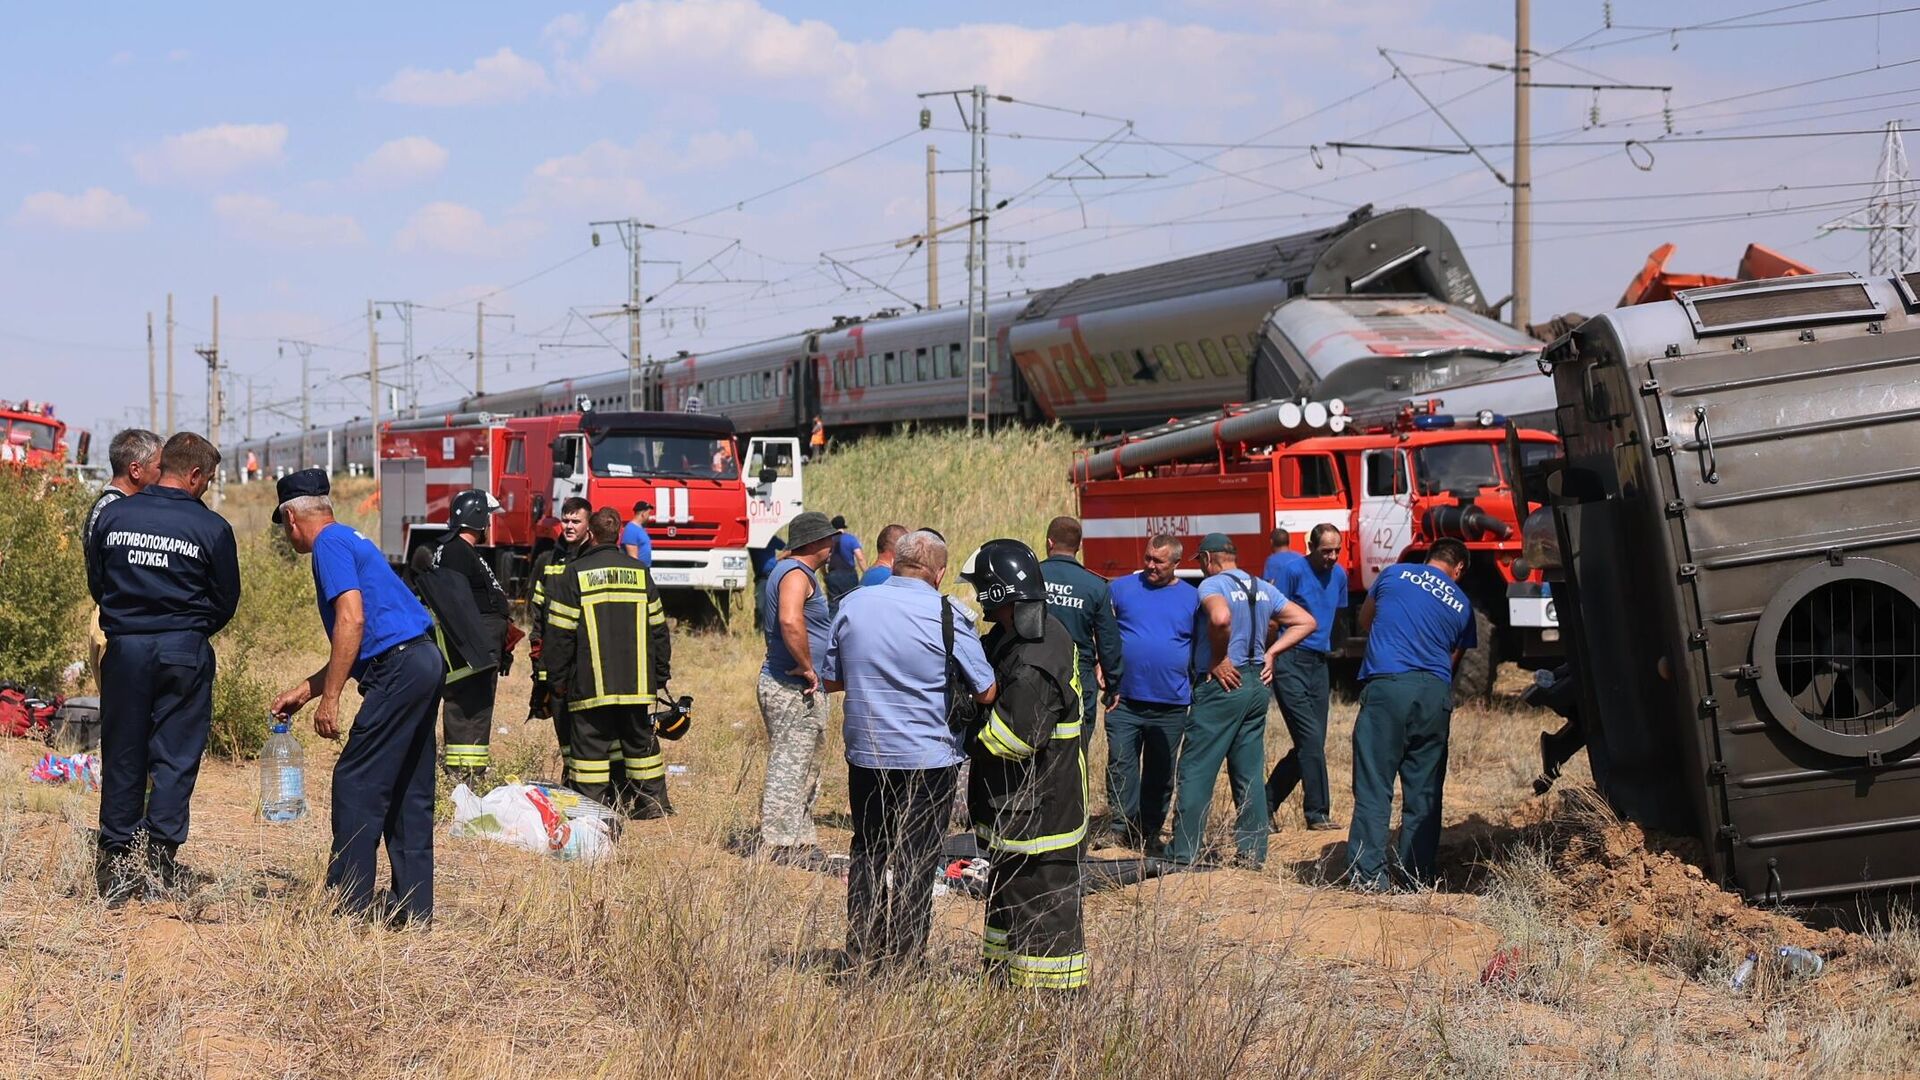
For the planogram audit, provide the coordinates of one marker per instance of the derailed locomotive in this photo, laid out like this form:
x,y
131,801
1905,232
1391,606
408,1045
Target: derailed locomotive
x,y
1737,517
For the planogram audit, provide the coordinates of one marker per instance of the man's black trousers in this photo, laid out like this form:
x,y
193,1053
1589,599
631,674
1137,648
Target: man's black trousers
x,y
899,819
383,782
156,705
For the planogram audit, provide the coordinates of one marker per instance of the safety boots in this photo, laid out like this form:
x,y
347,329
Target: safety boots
x,y
119,875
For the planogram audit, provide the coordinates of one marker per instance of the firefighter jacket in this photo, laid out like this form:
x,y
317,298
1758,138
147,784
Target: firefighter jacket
x,y
1078,597
549,565
1027,788
462,633
606,640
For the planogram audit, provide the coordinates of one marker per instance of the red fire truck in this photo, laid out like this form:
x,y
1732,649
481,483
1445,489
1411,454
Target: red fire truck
x,y
1393,482
708,509
30,436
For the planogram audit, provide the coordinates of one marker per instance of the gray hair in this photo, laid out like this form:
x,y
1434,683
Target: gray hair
x,y
303,505
922,549
1166,542
133,444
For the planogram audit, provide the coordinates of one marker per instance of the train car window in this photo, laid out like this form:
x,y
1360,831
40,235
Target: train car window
x,y
1088,375
922,369
1215,362
1125,368
1163,364
893,369
1189,361
957,360
1109,371
1236,353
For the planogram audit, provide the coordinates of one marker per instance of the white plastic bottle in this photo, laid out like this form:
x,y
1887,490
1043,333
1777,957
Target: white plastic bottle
x,y
283,776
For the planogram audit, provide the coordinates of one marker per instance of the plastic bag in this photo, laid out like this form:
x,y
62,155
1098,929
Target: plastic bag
x,y
524,816
83,769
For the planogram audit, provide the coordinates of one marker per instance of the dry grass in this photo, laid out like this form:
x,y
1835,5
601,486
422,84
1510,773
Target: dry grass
x,y
676,959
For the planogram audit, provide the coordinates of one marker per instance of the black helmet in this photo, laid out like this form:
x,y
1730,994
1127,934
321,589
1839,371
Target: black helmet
x,y
1007,571
471,510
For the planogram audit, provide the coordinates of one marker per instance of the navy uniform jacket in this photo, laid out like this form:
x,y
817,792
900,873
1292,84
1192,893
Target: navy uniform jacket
x,y
161,561
1079,598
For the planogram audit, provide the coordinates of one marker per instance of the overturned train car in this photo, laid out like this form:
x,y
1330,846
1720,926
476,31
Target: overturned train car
x,y
1738,515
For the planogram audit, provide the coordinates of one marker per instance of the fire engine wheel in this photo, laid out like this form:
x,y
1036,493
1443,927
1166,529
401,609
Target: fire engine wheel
x,y
1473,680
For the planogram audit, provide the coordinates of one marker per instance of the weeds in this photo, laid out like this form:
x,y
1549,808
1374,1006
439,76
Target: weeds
x,y
43,577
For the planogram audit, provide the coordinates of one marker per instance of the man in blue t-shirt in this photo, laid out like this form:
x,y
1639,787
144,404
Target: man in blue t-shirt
x,y
1283,557
1234,634
1418,621
383,781
634,539
882,567
1300,684
845,563
1147,708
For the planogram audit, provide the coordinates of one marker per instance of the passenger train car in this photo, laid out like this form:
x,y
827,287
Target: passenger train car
x,y
1110,351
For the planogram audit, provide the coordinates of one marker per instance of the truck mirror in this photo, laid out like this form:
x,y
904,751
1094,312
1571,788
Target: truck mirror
x,y
539,507
561,471
768,474
1516,474
86,444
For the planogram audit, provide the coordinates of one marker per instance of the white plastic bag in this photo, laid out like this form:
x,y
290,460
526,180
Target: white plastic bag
x,y
505,814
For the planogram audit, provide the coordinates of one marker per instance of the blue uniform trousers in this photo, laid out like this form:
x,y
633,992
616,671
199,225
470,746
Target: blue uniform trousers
x,y
1142,739
1300,686
383,782
156,704
1401,730
1230,727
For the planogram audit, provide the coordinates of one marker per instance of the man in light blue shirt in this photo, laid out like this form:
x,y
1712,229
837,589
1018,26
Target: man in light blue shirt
x,y
1283,557
634,539
1300,684
887,651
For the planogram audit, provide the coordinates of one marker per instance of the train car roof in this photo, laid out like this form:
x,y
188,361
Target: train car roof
x,y
1396,326
1291,258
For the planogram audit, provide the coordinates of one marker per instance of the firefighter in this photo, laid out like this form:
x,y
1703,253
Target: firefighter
x,y
166,574
1028,786
468,719
608,655
549,564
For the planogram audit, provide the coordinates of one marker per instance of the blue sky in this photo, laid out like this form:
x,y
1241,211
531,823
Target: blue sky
x,y
301,161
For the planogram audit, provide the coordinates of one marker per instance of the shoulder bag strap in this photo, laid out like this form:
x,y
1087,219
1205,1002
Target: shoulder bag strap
x,y
1253,621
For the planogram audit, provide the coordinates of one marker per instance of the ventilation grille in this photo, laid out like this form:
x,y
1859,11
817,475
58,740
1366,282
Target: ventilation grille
x,y
1848,656
1782,307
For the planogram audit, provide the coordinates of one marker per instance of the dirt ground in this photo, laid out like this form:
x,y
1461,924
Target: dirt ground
x,y
1565,943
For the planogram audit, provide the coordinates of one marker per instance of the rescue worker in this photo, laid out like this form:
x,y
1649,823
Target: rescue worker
x,y
1147,707
383,780
634,538
1027,790
817,440
541,704
792,705
1079,598
1300,684
468,723
1228,723
135,457
166,574
609,654
882,567
1418,622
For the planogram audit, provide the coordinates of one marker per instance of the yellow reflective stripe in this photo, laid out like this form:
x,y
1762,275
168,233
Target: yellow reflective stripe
x,y
557,621
1067,731
1000,740
1040,844
1026,962
656,615
1048,972
592,771
995,934
555,607
459,754
640,770
611,699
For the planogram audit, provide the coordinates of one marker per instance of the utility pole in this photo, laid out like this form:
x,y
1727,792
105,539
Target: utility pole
x,y
629,230
373,393
249,408
479,347
211,354
1522,312
933,241
979,333
170,429
153,392
404,309
1889,217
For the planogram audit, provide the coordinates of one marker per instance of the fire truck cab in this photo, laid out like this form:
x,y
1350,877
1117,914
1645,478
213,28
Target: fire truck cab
x,y
30,436
1391,488
710,502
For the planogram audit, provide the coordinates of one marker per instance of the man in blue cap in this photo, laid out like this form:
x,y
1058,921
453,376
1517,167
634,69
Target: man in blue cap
x,y
383,782
166,574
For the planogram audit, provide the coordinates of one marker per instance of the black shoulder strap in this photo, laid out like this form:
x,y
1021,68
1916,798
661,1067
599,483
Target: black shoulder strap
x,y
1253,622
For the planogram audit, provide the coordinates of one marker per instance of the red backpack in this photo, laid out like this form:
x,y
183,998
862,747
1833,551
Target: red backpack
x,y
23,714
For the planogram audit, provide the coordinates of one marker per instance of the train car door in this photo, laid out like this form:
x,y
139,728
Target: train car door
x,y
1385,525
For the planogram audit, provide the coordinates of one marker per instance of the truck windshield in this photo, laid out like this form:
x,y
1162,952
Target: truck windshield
x,y
702,457
1456,467
34,433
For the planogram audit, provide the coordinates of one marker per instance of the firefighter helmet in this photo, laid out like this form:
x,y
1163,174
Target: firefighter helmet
x,y
471,510
1007,572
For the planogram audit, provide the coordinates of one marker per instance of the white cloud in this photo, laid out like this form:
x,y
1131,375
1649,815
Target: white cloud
x,y
211,153
564,29
610,177
448,228
492,80
95,209
263,221
401,161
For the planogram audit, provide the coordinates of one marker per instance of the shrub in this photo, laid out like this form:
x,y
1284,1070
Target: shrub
x,y
43,577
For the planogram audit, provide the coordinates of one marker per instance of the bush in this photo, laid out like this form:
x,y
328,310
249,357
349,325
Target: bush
x,y
276,618
43,577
